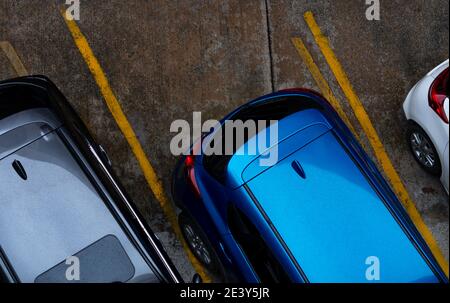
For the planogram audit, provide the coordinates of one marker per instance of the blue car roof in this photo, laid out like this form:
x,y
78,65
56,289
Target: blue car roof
x,y
295,130
330,216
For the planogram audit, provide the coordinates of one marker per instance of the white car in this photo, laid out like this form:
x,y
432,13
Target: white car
x,y
426,108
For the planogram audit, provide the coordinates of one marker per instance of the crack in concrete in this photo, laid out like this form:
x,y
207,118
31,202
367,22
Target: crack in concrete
x,y
269,44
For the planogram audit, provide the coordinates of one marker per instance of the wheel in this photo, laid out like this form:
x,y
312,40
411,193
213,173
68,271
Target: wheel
x,y
198,243
423,150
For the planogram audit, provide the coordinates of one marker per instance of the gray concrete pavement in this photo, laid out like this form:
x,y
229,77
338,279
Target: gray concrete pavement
x,y
166,59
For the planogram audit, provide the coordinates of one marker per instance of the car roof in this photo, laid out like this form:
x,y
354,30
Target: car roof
x,y
294,130
57,210
332,219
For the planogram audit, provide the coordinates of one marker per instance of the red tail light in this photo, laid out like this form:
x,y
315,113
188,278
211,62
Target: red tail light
x,y
438,94
189,163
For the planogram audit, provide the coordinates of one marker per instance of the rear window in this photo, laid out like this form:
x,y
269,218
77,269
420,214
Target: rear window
x,y
13,100
275,109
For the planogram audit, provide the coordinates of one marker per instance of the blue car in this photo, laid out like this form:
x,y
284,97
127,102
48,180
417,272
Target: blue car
x,y
322,214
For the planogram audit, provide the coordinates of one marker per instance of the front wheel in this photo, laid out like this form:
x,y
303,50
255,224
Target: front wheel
x,y
423,150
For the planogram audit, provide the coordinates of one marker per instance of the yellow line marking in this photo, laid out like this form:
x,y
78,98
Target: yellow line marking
x,y
12,56
321,82
152,179
374,139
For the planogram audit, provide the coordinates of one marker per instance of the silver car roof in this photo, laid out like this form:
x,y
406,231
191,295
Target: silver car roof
x,y
56,212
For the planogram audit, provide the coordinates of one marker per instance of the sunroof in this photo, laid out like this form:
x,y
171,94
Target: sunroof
x,y
104,261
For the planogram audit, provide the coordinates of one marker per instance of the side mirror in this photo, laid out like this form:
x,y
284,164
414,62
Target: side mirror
x,y
197,279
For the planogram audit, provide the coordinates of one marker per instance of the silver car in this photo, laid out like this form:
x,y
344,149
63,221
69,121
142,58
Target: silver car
x,y
64,217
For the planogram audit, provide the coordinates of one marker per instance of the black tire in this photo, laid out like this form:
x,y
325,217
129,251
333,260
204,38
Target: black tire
x,y
423,150
189,229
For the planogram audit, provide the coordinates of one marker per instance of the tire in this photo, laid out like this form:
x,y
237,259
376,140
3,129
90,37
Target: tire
x,y
199,244
423,150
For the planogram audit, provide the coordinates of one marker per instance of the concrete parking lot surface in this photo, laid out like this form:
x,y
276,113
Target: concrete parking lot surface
x,y
166,59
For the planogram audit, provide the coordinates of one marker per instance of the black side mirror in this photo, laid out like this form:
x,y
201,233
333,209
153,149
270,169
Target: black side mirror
x,y
197,279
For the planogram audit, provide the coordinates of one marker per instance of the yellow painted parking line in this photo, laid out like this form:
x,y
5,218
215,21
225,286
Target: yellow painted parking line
x,y
116,110
321,82
12,56
374,139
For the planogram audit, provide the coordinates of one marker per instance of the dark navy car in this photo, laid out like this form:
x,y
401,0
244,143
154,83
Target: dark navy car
x,y
322,213
64,217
